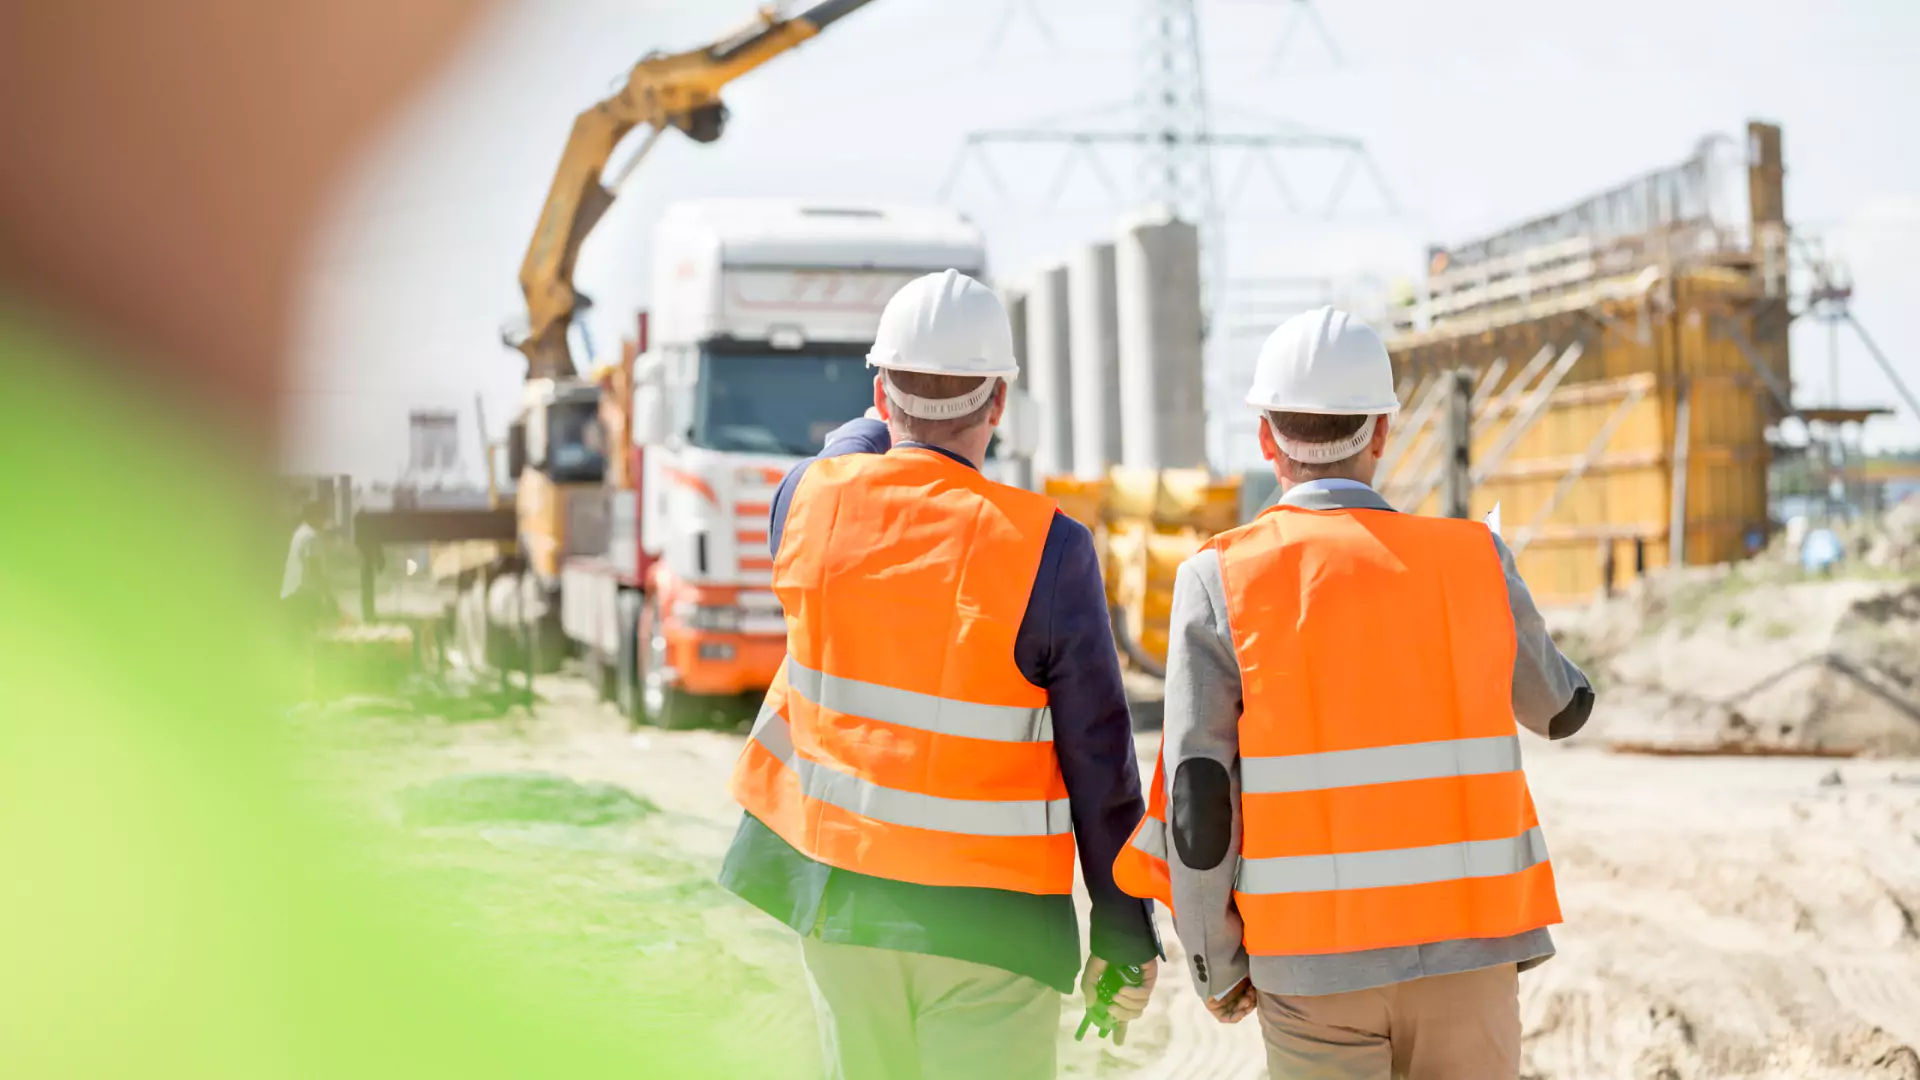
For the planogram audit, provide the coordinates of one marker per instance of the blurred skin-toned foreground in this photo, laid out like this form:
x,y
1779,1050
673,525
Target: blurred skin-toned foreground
x,y
169,904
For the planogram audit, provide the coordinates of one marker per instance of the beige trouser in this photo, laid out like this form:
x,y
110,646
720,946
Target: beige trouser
x,y
1443,1027
888,1015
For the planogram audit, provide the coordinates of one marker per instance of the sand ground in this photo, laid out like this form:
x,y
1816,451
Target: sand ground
x,y
1726,917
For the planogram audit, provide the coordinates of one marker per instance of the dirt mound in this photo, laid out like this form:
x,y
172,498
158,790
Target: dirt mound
x,y
1756,659
1893,542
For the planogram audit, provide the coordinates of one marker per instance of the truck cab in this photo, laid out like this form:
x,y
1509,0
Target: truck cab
x,y
761,315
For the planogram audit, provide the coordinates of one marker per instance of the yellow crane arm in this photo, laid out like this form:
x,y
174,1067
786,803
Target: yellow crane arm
x,y
680,90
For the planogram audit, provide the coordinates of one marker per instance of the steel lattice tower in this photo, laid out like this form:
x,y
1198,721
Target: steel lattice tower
x,y
1177,168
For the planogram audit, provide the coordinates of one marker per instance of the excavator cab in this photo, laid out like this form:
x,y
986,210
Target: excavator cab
x,y
563,459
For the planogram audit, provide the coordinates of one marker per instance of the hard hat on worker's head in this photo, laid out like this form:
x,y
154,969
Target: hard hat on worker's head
x,y
1327,362
1324,361
944,324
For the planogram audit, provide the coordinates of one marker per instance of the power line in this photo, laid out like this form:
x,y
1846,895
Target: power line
x,y
1175,145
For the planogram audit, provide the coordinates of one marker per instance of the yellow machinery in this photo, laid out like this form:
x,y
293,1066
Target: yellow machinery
x,y
1145,524
559,444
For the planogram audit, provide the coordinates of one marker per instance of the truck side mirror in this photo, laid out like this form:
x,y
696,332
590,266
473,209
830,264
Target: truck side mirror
x,y
1019,426
649,402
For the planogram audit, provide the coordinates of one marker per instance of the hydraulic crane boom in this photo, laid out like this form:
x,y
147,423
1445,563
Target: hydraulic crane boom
x,y
680,90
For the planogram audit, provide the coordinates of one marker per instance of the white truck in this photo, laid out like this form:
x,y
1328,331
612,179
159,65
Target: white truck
x,y
761,317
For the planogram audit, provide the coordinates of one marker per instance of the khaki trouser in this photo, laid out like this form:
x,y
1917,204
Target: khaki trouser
x,y
1443,1027
888,1015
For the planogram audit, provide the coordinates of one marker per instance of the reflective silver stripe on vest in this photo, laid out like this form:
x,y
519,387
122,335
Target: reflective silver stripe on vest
x,y
971,817
1396,866
1379,765
922,712
1151,838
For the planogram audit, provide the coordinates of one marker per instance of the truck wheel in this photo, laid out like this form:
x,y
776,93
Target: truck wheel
x,y
626,666
662,704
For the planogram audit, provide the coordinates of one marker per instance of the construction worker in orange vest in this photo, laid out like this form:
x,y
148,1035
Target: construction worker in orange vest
x,y
949,723
1339,818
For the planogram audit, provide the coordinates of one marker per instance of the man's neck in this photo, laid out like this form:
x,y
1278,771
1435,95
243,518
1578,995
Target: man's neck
x,y
964,453
1341,478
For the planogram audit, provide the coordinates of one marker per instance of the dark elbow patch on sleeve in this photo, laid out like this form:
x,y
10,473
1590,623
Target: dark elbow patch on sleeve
x,y
1574,716
1202,813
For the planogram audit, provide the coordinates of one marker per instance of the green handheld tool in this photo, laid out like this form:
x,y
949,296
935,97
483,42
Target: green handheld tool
x,y
1111,981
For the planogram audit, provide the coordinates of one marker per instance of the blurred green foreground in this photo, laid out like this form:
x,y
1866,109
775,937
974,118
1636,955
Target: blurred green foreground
x,y
179,896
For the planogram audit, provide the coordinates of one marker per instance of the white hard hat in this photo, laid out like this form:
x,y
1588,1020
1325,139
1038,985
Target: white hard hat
x,y
944,324
1324,361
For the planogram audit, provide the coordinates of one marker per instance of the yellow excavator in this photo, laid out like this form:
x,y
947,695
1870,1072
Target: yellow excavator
x,y
563,445
680,90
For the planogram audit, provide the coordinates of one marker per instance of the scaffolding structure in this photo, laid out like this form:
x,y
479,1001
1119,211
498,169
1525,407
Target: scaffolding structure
x,y
1629,360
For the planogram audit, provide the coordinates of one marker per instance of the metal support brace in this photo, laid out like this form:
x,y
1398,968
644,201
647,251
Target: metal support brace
x,y
1488,381
1682,440
1428,459
1531,409
1594,449
1730,330
1458,499
1430,393
1521,381
1532,403
1881,359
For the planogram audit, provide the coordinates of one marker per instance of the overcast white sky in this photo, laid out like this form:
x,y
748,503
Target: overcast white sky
x,y
1478,112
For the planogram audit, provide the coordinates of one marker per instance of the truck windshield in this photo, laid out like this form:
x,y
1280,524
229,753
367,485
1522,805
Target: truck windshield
x,y
783,403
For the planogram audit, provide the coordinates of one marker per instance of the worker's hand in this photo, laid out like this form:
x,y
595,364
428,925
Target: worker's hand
x,y
1237,1005
1128,1004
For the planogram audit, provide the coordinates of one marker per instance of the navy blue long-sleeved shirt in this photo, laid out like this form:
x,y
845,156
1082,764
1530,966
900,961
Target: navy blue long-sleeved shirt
x,y
1065,646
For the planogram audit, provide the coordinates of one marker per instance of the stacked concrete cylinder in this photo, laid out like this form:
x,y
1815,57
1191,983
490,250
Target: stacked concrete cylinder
x,y
1049,370
1163,416
1094,337
1018,470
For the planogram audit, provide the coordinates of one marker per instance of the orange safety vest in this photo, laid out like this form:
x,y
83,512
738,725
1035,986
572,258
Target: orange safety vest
x,y
1382,799
900,739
